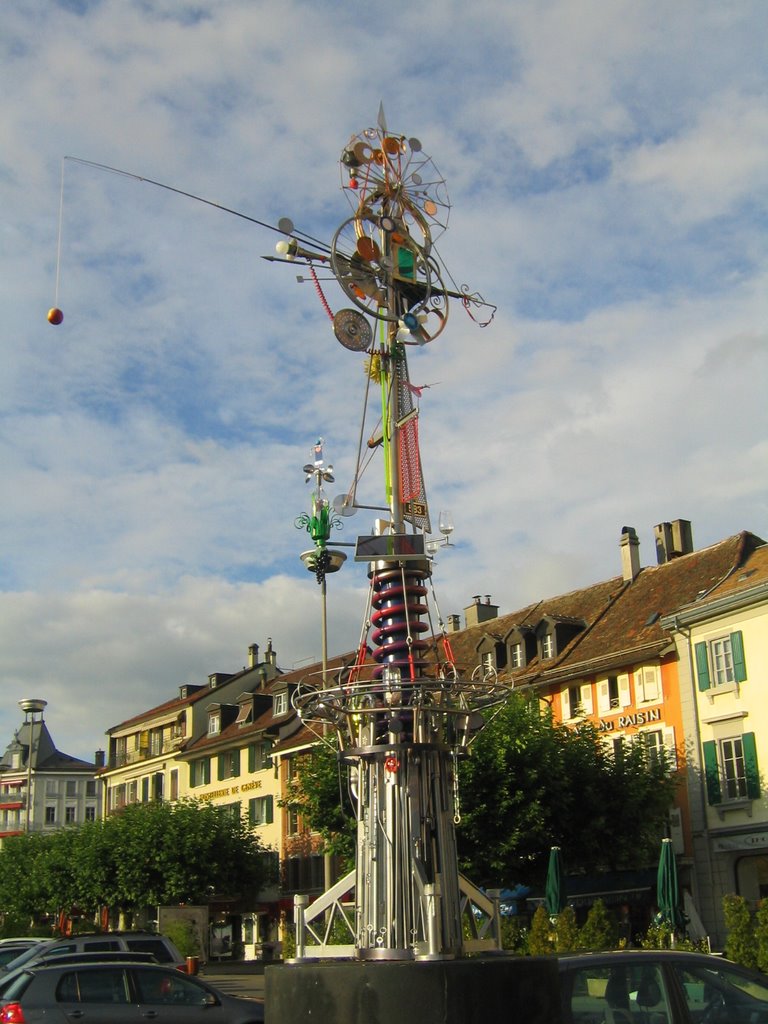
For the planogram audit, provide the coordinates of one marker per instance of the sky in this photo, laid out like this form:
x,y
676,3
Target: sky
x,y
607,168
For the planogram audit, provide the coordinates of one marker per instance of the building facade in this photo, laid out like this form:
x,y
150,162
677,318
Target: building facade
x,y
722,646
42,788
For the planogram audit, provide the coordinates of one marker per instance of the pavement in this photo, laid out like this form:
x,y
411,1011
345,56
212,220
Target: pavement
x,y
236,977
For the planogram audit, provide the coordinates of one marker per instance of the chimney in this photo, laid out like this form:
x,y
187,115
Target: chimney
x,y
479,611
253,656
673,540
630,553
99,759
271,655
453,624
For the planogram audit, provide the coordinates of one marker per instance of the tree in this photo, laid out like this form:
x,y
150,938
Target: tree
x,y
145,854
318,793
599,931
530,784
740,943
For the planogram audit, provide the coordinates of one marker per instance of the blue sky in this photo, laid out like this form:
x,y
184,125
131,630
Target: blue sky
x,y
607,165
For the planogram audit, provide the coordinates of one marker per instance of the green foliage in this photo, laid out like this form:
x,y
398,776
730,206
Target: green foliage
x,y
318,793
761,936
541,936
184,936
566,931
599,931
156,853
531,784
514,935
740,944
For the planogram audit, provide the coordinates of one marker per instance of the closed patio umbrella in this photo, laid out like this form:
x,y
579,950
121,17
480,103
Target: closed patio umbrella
x,y
667,889
554,890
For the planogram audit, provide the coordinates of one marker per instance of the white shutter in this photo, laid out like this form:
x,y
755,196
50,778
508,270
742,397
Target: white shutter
x,y
625,695
565,704
603,697
669,745
585,696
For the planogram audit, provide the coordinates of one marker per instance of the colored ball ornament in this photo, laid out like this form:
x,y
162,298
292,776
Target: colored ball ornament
x,y
353,182
55,316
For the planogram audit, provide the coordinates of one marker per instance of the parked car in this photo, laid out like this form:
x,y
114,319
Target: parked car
x,y
159,946
106,993
10,950
660,987
77,958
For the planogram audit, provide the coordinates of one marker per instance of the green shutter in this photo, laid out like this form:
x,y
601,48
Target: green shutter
x,y
192,780
737,652
252,811
702,666
252,757
269,817
750,765
206,770
222,767
712,772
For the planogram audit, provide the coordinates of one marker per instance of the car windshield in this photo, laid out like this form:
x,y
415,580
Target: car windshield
x,y
722,995
25,957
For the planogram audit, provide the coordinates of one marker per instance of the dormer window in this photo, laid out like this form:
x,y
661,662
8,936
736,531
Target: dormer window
x,y
214,723
280,703
516,654
547,646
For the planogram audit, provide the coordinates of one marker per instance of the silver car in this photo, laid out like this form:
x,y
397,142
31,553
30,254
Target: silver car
x,y
108,993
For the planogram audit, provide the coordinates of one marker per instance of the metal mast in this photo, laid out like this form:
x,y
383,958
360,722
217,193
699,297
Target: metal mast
x,y
402,713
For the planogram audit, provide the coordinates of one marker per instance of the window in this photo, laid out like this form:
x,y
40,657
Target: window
x,y
90,788
660,746
69,815
133,791
71,787
175,784
229,765
718,985
200,772
90,813
647,688
547,645
613,694
488,665
214,723
280,703
155,742
721,662
51,787
516,655
730,767
50,815
259,756
293,821
261,810
576,700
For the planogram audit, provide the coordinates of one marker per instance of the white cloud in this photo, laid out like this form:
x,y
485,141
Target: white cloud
x,y
607,169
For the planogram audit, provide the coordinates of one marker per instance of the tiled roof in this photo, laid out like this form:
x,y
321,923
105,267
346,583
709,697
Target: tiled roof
x,y
623,618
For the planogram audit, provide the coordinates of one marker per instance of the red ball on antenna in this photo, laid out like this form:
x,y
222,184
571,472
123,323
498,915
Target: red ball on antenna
x,y
55,316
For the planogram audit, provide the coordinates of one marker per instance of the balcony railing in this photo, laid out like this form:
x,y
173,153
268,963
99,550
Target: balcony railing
x,y
145,753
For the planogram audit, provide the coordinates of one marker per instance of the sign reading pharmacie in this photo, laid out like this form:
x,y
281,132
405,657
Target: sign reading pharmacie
x,y
221,794
634,719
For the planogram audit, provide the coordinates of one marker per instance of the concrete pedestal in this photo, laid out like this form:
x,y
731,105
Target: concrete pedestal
x,y
471,990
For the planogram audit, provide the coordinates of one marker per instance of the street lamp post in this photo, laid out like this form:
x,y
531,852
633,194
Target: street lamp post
x,y
31,706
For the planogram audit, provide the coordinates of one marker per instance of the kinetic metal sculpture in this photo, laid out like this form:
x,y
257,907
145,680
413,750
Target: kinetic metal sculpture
x,y
402,713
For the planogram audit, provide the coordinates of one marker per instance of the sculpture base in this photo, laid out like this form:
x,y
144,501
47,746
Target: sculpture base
x,y
468,990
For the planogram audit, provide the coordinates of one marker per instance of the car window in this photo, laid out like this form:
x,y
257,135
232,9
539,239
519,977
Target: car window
x,y
155,946
16,986
105,985
631,993
101,944
721,995
171,988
